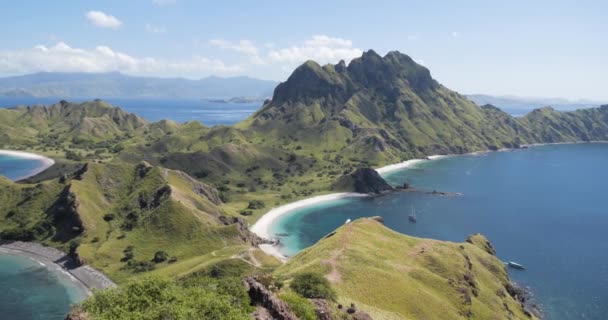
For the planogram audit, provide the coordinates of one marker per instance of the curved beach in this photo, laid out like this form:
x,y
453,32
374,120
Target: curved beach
x,y
45,162
263,226
85,277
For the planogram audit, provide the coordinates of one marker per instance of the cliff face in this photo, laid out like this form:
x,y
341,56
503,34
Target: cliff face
x,y
363,180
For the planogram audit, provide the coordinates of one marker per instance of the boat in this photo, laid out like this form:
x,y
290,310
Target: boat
x,y
412,216
515,265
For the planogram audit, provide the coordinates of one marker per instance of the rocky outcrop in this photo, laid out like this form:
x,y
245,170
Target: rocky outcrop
x,y
364,180
481,242
245,234
202,189
260,296
77,315
525,297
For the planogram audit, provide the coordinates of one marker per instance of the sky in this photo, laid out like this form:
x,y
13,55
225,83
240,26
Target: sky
x,y
523,48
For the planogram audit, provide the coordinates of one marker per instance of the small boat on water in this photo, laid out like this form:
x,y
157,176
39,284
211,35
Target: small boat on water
x,y
412,216
515,265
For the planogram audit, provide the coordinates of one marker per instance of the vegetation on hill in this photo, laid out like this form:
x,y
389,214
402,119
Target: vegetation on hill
x,y
132,197
154,298
122,218
394,276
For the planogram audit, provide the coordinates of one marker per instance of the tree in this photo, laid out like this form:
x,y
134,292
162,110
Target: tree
x,y
312,286
160,256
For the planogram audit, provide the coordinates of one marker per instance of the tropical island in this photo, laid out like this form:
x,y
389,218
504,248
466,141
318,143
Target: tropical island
x,y
165,209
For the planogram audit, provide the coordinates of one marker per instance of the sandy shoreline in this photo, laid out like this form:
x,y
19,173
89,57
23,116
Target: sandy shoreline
x,y
263,225
85,277
45,162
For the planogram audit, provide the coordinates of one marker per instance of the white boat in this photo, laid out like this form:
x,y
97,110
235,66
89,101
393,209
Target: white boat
x,y
412,216
515,265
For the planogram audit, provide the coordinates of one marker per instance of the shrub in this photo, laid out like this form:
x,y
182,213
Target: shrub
x,y
313,286
246,212
158,298
256,204
140,266
300,306
160,256
228,268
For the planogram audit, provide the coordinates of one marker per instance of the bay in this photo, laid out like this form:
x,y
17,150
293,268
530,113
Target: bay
x,y
545,207
31,291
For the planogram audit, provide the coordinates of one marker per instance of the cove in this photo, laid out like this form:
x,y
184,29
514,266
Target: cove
x,y
32,291
545,207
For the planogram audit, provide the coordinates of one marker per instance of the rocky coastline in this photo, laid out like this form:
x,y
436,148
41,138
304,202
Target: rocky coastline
x,y
90,278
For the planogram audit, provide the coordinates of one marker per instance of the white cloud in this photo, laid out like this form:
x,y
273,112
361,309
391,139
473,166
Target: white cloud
x,y
326,41
155,29
456,34
321,48
62,57
242,46
102,20
163,2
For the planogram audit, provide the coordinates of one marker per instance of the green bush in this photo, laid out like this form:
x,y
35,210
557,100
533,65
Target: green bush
x,y
158,299
300,306
313,286
160,256
228,268
256,204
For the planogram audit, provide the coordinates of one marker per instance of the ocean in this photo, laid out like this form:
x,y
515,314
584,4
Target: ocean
x,y
31,291
179,110
15,167
544,207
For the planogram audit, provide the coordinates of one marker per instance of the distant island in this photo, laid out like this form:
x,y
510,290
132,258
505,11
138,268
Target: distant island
x,y
526,104
132,197
117,85
239,100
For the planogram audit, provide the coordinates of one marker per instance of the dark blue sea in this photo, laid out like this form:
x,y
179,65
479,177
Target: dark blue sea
x,y
179,110
544,207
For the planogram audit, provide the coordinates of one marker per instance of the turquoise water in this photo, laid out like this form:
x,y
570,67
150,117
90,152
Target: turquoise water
x,y
544,207
30,291
17,167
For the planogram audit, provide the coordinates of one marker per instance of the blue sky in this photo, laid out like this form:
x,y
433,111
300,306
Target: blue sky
x,y
526,48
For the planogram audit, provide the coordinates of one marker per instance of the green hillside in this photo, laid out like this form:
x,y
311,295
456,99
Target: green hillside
x,y
121,215
394,276
132,197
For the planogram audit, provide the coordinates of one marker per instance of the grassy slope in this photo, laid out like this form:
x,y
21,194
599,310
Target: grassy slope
x,y
321,123
394,276
181,222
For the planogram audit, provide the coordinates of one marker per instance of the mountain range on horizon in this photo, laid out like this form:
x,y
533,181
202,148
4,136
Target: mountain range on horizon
x,y
514,102
67,85
82,85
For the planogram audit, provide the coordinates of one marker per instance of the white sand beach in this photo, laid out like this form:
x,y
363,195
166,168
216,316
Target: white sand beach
x,y
407,164
263,226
